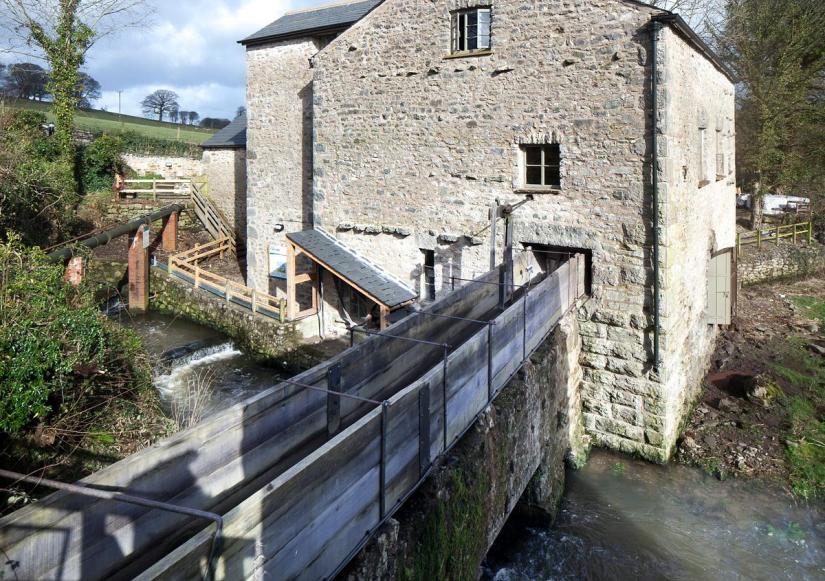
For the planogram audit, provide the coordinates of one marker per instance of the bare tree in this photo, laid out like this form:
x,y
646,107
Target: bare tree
x,y
184,117
173,115
193,117
62,32
240,111
27,81
88,91
160,102
702,15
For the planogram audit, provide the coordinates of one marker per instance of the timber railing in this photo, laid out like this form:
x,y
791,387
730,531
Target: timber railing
x,y
184,190
303,473
796,232
158,190
184,266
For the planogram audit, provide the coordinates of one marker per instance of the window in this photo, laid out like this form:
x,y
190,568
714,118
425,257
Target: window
x,y
471,30
542,166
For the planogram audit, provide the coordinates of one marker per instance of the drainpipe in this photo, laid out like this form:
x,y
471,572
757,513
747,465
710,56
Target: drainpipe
x,y
656,27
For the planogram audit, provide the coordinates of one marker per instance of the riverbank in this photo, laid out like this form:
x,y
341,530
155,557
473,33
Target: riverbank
x,y
761,413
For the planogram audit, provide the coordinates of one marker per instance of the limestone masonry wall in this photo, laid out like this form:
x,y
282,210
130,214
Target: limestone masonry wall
x,y
225,171
279,148
411,146
170,167
773,262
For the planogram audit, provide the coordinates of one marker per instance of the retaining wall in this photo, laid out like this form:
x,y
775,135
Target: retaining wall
x,y
170,167
785,260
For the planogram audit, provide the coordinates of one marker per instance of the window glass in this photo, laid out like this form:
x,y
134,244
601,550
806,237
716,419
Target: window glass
x,y
542,165
471,30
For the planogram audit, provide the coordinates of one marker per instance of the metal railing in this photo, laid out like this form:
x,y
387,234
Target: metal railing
x,y
796,232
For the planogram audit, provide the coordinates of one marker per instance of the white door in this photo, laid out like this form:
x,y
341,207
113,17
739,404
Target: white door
x,y
720,298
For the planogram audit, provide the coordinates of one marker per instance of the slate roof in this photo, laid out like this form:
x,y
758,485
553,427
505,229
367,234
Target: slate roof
x,y
353,268
233,135
330,17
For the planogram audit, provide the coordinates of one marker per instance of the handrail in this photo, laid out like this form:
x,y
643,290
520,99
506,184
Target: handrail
x,y
186,263
798,231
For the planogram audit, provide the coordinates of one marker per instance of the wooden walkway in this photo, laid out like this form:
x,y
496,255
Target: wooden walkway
x,y
304,472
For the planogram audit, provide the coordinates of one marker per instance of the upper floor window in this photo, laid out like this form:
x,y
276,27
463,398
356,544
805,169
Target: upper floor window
x,y
542,165
471,30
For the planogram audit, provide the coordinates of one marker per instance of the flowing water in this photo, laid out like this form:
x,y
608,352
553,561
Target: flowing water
x,y
197,371
622,518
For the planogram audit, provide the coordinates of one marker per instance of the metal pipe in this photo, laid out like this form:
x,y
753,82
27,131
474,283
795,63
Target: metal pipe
x,y
327,391
654,84
486,282
86,490
108,235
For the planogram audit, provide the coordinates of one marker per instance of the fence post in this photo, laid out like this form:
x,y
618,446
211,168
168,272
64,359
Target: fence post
x,y
794,234
333,399
810,231
155,190
226,290
383,468
282,310
197,276
423,429
759,237
738,244
524,323
777,235
444,390
254,301
489,363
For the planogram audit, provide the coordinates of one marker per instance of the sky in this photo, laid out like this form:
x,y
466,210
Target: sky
x,y
189,47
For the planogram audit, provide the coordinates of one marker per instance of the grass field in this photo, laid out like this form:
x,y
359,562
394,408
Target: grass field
x,y
94,120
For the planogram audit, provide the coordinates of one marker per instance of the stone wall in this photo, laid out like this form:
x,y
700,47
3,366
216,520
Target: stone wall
x,y
279,148
170,167
773,262
412,148
225,171
104,211
512,458
278,344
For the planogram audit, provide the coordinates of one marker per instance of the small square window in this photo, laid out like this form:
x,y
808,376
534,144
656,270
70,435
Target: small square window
x,y
542,165
471,30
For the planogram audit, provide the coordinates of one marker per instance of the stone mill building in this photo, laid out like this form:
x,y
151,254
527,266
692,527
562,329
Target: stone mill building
x,y
396,128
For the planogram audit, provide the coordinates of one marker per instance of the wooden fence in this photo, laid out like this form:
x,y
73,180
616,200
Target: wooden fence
x,y
303,471
158,190
796,232
185,266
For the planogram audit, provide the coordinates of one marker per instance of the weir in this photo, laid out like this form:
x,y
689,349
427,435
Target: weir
x,y
303,473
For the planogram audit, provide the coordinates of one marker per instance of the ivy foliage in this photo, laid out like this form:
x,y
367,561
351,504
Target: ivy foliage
x,y
37,186
56,347
99,161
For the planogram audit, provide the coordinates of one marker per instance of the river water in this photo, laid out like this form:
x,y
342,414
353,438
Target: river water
x,y
622,518
197,370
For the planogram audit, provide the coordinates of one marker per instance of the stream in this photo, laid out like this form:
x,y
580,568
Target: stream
x,y
197,371
622,518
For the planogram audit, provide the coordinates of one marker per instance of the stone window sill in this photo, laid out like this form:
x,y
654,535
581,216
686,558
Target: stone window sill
x,y
468,54
551,190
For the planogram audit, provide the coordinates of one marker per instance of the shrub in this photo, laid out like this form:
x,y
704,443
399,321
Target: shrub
x,y
56,347
37,187
98,162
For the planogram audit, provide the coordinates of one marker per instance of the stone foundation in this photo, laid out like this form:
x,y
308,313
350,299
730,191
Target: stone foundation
x,y
785,260
511,459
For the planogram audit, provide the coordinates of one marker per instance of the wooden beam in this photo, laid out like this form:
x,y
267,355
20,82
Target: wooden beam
x,y
384,317
170,232
139,272
291,304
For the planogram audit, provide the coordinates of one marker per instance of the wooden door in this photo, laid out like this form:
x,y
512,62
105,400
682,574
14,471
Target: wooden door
x,y
720,288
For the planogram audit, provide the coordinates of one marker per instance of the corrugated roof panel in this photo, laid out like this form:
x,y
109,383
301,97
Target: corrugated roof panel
x,y
349,265
233,135
330,16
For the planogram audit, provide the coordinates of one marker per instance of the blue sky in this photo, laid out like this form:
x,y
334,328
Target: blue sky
x,y
190,47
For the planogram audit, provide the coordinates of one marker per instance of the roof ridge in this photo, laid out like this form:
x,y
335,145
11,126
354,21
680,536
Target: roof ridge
x,y
322,6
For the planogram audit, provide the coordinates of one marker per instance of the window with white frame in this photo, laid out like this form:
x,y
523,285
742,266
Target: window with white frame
x,y
541,166
471,30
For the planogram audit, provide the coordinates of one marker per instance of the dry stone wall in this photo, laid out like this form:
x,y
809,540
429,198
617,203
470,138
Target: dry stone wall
x,y
773,262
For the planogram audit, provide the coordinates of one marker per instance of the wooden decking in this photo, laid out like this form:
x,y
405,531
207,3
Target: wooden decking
x,y
301,474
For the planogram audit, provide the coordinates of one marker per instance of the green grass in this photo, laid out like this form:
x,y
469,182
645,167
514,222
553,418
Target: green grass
x,y
104,121
811,307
